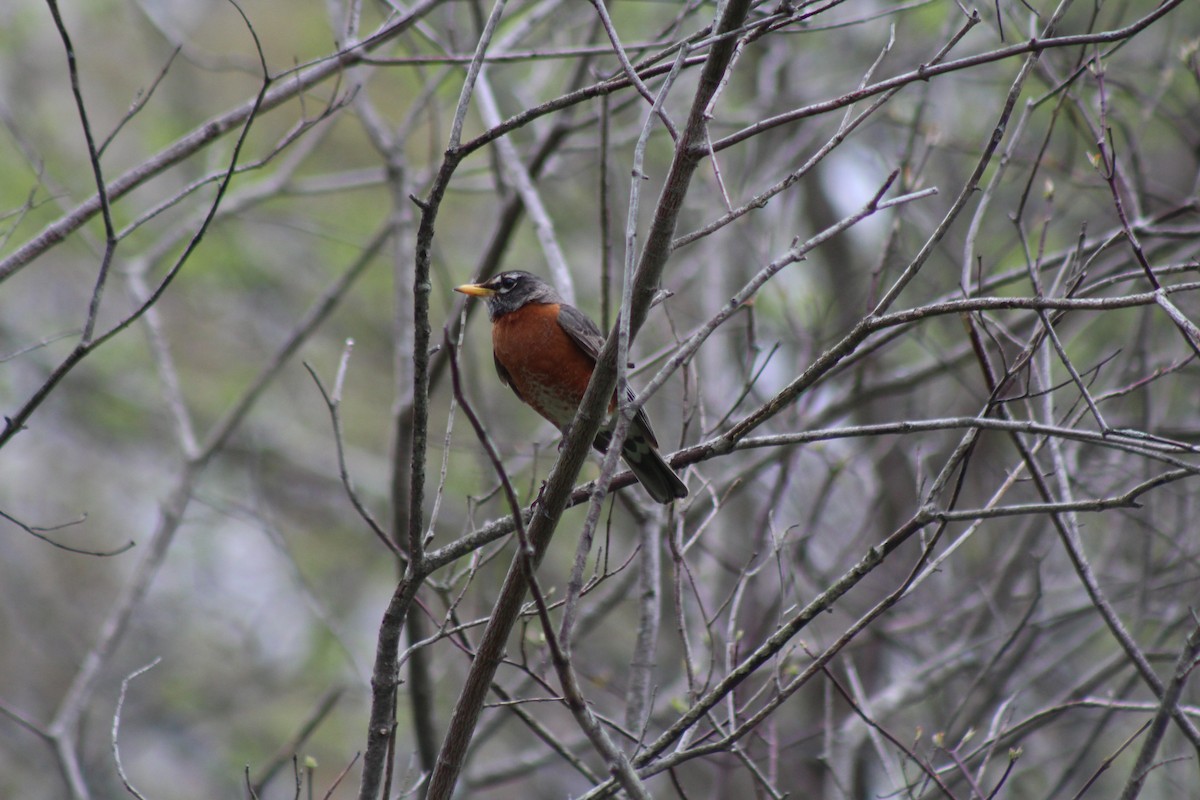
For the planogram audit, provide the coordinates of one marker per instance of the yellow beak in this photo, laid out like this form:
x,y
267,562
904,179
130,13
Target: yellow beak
x,y
475,290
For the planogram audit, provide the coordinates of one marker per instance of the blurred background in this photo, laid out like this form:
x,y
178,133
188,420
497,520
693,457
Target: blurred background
x,y
189,426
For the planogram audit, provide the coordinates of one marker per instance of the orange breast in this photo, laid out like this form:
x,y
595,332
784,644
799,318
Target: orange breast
x,y
547,368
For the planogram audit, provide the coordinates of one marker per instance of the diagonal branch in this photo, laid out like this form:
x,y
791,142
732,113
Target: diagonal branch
x,y
554,497
208,132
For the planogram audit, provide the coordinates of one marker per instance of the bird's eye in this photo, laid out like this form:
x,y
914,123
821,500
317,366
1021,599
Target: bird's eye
x,y
507,282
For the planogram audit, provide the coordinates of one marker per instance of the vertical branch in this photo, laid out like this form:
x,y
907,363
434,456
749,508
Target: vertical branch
x,y
110,235
422,286
384,680
384,677
612,453
583,430
649,601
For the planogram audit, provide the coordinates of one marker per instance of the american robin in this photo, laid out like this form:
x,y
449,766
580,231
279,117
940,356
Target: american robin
x,y
545,351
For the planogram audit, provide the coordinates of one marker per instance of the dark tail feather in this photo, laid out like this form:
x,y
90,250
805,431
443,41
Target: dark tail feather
x,y
655,474
647,465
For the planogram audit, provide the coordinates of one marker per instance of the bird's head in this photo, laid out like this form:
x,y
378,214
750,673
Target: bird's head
x,y
510,291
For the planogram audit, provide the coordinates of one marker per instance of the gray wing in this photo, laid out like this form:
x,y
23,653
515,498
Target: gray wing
x,y
590,340
581,329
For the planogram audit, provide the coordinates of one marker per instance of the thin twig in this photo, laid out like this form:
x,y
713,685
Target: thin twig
x,y
110,236
116,726
332,403
39,532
